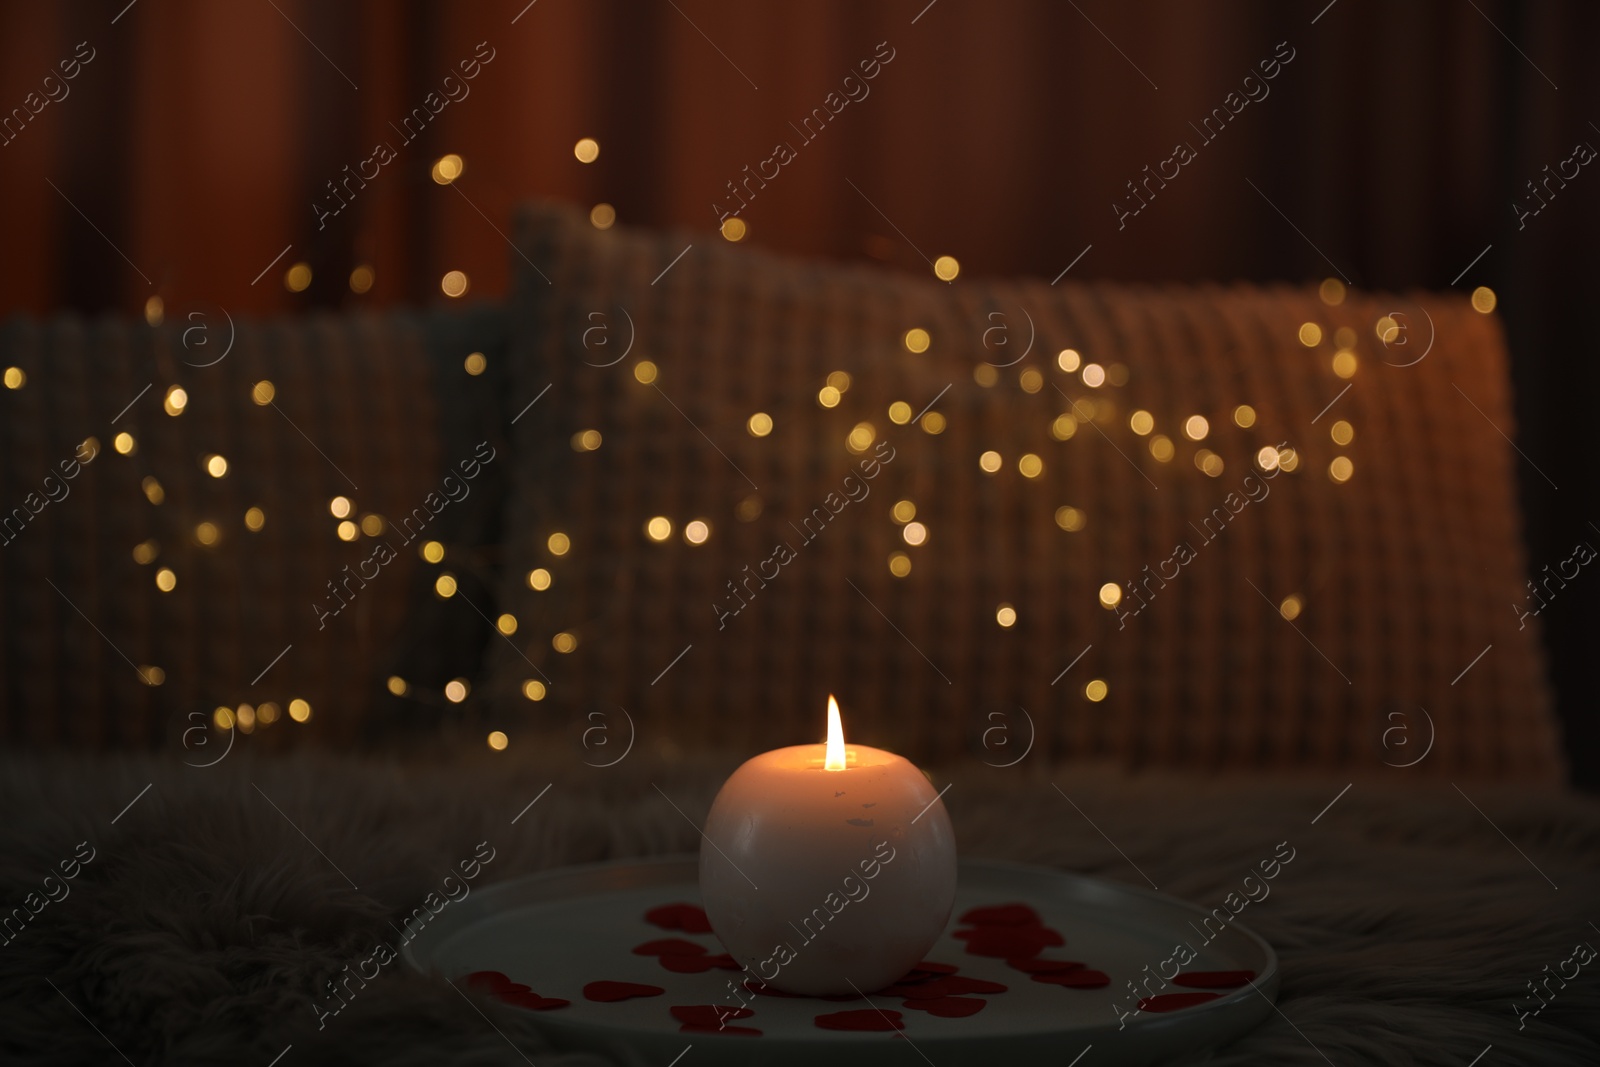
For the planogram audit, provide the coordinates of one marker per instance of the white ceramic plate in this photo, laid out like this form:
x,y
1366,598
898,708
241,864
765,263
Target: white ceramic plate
x,y
558,930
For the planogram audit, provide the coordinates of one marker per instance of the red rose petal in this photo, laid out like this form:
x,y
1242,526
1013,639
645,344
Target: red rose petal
x,y
944,986
1215,979
1078,979
686,917
670,946
1001,915
934,967
861,1019
533,1001
607,992
712,1015
1009,942
1174,1001
748,1031
686,964
489,980
948,1007
1038,966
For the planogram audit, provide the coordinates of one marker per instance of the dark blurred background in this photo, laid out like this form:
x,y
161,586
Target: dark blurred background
x,y
188,152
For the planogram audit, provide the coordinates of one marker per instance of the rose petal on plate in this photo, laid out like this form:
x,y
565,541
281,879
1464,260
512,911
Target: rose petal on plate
x,y
607,992
1082,978
533,1001
947,1007
1001,915
1042,966
690,918
1215,979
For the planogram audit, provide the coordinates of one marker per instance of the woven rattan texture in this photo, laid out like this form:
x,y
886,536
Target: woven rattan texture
x,y
1404,573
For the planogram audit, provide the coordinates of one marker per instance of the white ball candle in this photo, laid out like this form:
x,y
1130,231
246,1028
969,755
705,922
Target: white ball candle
x,y
826,869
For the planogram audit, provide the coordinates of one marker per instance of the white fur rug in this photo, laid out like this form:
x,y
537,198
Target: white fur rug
x,y
204,924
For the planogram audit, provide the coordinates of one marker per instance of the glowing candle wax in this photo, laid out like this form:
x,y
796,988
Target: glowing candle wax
x,y
827,869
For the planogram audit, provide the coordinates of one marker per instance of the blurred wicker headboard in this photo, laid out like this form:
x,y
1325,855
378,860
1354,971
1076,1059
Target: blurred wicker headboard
x,y
96,650
1284,617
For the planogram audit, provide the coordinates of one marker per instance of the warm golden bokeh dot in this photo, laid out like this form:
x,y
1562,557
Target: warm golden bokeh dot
x,y
539,579
1483,299
1310,334
454,284
297,279
1209,462
945,268
155,311
175,401
602,216
1094,375
1064,426
445,586
1071,519
152,676
1141,422
222,718
1110,595
564,642
267,713
432,551
91,446
1344,364
152,489
917,339
990,461
216,466
558,543
299,710
899,413
1341,469
587,150
985,375
1030,465
124,443
1244,416
1342,432
1332,292
245,718
586,440
1030,380
861,437
456,690
914,534
263,392
828,396
759,424
839,379
1195,427
1068,359
1006,616
1386,328
145,551
933,423
498,740
506,624
899,564
734,229
166,580
1096,690
1291,607
644,371
447,168
397,685
1288,459
697,531
475,363
1267,458
1161,447
903,511
207,533
347,531
533,689
372,525
361,279
658,528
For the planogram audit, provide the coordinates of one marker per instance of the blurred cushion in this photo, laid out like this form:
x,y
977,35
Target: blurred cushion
x,y
254,538
1047,520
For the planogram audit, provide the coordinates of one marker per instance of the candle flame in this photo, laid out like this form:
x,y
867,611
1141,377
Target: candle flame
x,y
834,759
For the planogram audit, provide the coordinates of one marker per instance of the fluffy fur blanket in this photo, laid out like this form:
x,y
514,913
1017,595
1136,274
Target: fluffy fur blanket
x,y
199,923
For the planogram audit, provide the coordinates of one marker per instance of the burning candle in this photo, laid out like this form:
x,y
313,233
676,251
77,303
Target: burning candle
x,y
828,869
